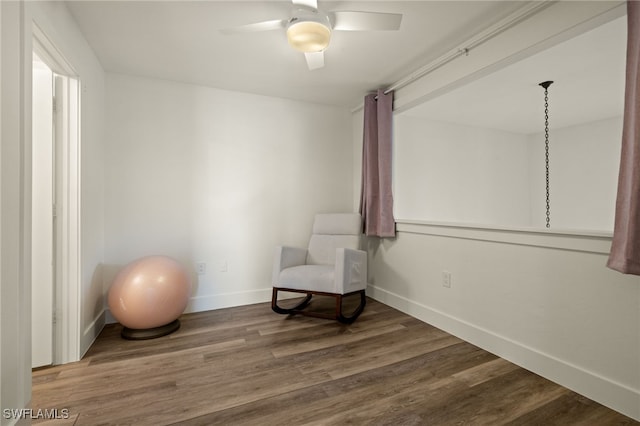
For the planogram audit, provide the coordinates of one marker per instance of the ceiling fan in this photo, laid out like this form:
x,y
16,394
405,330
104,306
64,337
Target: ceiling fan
x,y
309,29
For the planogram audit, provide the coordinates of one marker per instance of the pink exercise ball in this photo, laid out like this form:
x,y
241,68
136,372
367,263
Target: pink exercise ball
x,y
150,292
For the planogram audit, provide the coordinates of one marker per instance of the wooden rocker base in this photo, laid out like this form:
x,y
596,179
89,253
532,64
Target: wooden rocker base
x,y
299,308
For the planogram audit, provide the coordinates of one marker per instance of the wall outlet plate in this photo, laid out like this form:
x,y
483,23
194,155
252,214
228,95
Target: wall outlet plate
x,y
446,279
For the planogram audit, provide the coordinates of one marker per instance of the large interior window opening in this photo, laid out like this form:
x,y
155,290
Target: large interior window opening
x,y
476,155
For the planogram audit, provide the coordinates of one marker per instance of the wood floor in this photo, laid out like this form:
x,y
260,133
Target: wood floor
x,y
250,366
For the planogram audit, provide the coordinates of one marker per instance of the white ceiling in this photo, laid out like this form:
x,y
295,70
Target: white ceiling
x,y
588,73
181,41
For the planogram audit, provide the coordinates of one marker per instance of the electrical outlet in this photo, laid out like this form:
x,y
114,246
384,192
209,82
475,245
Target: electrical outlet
x,y
446,279
201,268
224,266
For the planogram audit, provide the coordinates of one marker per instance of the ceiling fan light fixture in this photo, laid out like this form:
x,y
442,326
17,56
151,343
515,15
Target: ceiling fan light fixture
x,y
308,36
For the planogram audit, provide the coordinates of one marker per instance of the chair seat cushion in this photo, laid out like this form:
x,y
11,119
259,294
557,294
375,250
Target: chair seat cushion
x,y
309,277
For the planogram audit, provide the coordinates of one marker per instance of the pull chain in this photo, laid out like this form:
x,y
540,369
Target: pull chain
x,y
546,85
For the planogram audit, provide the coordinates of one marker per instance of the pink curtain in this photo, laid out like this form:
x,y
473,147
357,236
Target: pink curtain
x,y
376,199
625,247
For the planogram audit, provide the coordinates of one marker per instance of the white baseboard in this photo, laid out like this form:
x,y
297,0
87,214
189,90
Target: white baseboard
x,y
108,317
606,392
91,332
215,301
228,300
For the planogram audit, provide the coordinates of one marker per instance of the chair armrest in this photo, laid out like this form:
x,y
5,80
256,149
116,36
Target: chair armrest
x,y
286,257
351,270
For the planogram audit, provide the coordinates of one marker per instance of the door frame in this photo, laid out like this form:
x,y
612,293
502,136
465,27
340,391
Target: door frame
x,y
67,235
42,225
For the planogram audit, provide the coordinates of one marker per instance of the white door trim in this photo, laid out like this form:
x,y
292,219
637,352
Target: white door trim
x,y
67,200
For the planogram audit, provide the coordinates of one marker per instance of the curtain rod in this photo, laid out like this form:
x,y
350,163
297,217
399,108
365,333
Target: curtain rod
x,y
510,21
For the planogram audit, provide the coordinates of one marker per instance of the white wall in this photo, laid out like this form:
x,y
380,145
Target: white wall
x,y
477,176
15,212
15,193
454,173
207,175
583,174
543,300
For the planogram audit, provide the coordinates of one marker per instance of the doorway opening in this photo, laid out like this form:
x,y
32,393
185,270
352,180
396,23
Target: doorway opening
x,y
55,206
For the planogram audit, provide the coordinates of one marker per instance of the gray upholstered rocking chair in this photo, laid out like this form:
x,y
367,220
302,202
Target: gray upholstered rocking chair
x,y
332,265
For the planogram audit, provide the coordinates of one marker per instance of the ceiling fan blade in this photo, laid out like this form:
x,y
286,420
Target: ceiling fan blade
x,y
315,60
365,21
275,24
313,4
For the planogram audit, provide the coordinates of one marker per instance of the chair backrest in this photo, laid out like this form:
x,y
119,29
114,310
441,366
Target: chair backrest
x,y
332,231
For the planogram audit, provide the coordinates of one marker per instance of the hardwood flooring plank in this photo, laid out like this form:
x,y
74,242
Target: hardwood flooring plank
x,y
336,397
494,402
121,369
153,369
127,349
574,409
487,371
286,324
374,392
262,412
386,350
250,366
70,421
220,395
50,371
307,345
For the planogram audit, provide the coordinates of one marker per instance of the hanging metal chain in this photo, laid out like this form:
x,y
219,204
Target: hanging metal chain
x,y
546,85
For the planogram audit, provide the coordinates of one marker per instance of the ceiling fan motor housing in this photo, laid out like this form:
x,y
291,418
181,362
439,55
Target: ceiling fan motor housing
x,y
309,29
309,32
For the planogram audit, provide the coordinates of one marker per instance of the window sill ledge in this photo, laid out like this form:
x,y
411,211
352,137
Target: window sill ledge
x,y
575,240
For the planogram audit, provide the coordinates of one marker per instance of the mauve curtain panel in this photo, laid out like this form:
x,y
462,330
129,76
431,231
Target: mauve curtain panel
x,y
376,199
625,247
